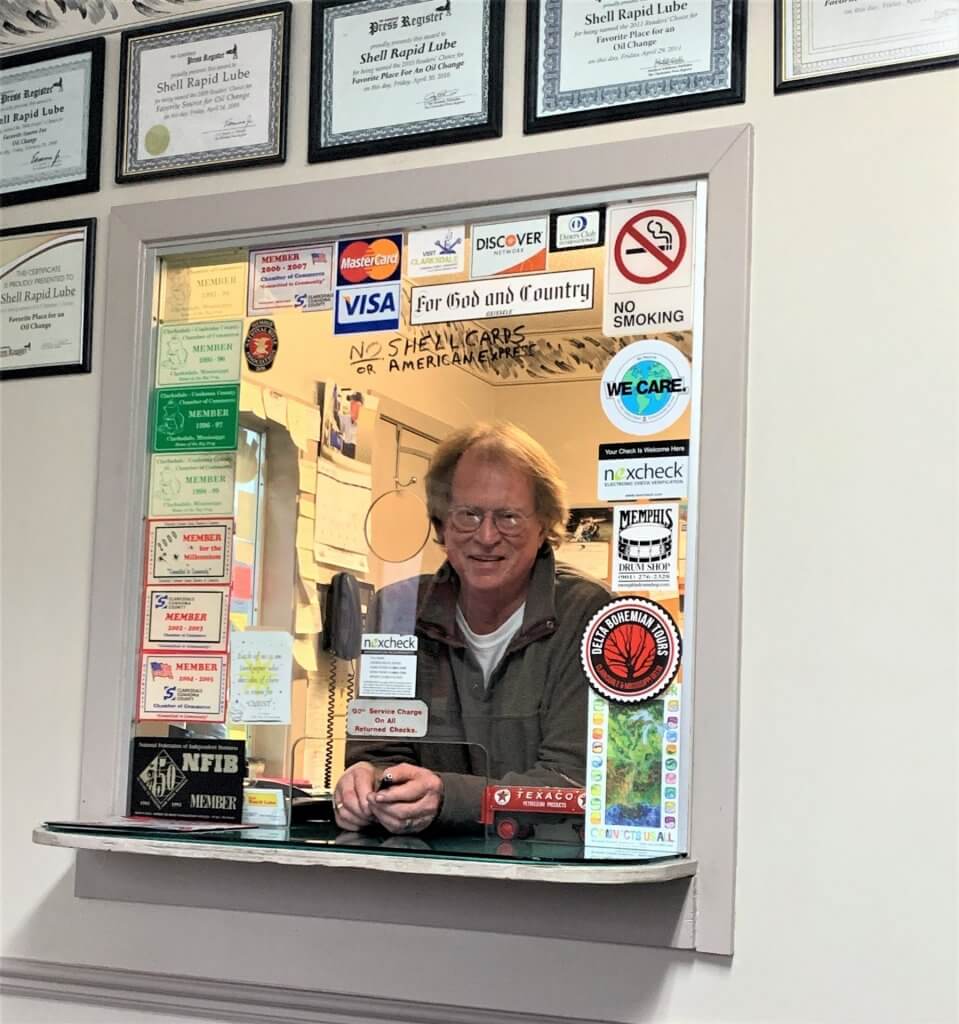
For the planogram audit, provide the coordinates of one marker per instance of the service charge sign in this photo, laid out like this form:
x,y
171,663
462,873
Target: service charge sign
x,y
186,618
189,550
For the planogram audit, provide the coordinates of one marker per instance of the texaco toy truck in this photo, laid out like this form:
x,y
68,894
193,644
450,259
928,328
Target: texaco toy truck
x,y
515,812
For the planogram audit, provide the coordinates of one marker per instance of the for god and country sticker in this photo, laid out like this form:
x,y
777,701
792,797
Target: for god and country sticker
x,y
646,387
631,650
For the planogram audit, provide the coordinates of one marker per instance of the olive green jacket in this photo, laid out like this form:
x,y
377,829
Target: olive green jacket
x,y
528,727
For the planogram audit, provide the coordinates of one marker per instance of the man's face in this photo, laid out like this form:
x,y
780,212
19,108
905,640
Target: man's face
x,y
487,563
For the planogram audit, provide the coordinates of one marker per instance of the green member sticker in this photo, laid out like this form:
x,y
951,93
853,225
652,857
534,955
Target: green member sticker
x,y
204,419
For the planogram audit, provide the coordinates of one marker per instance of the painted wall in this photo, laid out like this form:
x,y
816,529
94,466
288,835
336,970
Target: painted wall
x,y
847,859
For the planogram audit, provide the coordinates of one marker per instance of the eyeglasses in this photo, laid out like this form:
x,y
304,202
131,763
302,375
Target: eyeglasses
x,y
466,519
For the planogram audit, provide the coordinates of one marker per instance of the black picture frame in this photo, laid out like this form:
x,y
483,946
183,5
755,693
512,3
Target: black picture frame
x,y
84,363
491,128
533,123
191,165
90,182
781,85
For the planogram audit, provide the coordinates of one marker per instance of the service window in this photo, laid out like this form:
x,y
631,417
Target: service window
x,y
420,532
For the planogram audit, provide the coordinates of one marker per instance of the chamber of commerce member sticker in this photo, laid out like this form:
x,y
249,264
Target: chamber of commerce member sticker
x,y
646,387
631,650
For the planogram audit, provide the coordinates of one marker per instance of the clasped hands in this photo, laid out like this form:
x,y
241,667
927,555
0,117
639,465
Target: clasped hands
x,y
403,798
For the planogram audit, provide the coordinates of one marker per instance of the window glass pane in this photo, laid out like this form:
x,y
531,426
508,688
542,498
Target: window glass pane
x,y
458,462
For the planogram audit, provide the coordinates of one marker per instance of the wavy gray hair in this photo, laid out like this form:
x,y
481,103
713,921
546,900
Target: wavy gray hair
x,y
504,442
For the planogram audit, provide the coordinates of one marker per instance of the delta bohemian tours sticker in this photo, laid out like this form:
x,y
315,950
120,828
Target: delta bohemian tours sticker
x,y
631,650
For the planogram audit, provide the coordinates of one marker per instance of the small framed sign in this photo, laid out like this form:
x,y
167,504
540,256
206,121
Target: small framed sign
x,y
203,95
401,74
822,42
51,110
612,60
46,298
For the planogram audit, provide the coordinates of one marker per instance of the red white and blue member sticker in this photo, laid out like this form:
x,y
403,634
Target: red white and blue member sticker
x,y
631,650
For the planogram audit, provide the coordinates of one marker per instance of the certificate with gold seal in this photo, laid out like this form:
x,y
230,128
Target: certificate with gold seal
x,y
204,95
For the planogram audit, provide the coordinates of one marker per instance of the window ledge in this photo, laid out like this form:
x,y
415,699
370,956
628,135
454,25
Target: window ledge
x,y
593,873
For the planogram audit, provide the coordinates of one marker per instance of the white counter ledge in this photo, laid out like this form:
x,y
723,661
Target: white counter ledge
x,y
436,863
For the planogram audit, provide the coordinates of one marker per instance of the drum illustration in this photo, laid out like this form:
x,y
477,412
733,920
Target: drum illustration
x,y
645,542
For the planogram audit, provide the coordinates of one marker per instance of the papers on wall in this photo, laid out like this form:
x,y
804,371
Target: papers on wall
x,y
342,498
261,673
303,422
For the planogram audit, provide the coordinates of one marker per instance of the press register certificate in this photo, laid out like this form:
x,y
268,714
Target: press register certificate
x,y
44,120
400,69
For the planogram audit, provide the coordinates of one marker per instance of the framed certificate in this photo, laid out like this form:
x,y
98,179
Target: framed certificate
x,y
611,60
46,298
828,42
204,95
51,107
400,74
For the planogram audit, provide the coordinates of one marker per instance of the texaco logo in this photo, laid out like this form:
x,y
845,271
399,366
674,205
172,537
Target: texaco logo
x,y
631,650
162,779
501,796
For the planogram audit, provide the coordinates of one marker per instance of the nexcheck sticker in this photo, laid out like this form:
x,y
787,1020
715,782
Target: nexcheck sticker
x,y
189,550
643,469
645,387
186,618
185,686
388,665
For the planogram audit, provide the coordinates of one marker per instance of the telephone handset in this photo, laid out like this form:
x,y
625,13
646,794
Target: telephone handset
x,y
343,618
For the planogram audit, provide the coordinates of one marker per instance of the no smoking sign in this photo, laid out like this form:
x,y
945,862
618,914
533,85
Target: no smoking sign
x,y
649,268
650,247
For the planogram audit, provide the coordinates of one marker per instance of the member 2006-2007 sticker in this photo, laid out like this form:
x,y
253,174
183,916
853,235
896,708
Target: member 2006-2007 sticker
x,y
631,650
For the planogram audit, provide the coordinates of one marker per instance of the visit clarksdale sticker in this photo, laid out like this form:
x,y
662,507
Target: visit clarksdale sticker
x,y
645,387
631,650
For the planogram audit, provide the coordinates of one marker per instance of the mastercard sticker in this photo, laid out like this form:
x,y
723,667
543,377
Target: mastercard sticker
x,y
369,260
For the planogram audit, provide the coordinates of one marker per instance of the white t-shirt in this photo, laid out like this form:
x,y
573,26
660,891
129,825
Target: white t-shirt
x,y
489,648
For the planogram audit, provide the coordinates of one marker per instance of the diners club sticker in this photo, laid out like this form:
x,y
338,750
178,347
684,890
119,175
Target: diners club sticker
x,y
631,650
261,345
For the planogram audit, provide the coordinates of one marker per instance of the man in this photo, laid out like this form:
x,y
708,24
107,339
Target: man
x,y
499,628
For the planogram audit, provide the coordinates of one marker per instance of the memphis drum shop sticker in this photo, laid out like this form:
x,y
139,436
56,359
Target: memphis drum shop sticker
x,y
261,345
631,650
646,387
